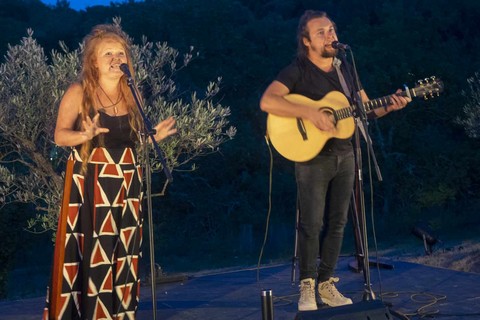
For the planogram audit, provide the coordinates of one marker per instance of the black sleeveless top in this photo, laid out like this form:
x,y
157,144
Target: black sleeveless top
x,y
120,135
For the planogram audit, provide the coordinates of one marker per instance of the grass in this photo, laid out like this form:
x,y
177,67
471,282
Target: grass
x,y
454,254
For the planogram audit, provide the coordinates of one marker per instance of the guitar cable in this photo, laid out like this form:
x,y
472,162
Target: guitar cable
x,y
269,210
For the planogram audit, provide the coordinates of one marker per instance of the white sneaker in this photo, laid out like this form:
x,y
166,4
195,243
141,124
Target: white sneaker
x,y
330,295
307,301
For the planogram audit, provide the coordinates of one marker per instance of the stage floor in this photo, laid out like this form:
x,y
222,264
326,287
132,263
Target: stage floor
x,y
407,289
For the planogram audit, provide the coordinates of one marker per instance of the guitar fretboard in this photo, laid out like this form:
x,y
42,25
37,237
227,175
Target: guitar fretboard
x,y
370,105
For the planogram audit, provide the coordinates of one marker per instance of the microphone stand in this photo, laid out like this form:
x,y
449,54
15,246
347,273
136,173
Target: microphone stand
x,y
148,131
360,118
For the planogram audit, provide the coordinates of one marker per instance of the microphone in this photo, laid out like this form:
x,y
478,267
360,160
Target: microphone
x,y
125,70
341,46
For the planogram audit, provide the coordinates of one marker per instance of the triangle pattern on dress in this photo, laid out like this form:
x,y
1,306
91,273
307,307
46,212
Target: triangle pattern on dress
x,y
72,217
77,297
119,198
111,170
80,238
124,293
70,272
99,256
127,177
127,157
133,260
100,155
115,267
108,227
101,312
80,183
126,236
107,285
92,288
134,205
101,199
63,300
130,315
120,265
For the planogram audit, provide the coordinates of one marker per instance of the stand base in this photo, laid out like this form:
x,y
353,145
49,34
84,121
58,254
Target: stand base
x,y
365,310
161,277
169,279
356,267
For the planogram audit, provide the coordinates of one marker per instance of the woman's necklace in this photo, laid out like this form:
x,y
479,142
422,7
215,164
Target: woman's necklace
x,y
112,104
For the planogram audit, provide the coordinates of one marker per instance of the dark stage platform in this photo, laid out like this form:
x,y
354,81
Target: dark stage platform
x,y
409,289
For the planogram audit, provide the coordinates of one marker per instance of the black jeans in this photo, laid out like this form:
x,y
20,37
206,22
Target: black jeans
x,y
324,186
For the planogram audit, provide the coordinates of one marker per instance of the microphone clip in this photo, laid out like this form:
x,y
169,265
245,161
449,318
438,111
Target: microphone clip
x,y
340,46
124,68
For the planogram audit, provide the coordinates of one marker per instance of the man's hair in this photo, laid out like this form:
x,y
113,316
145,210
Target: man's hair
x,y
302,31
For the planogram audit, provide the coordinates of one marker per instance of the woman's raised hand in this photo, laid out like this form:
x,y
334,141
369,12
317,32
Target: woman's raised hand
x,y
92,127
164,129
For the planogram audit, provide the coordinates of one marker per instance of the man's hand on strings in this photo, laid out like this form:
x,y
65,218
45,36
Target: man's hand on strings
x,y
323,120
397,101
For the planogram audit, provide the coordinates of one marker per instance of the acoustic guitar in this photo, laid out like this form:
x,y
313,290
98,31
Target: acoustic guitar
x,y
299,140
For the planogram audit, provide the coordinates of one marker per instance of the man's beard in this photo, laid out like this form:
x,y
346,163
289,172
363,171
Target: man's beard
x,y
329,53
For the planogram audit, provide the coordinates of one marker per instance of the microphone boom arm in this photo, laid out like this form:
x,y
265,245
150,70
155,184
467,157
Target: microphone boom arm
x,y
149,131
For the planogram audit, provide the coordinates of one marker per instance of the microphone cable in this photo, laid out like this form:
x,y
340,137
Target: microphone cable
x,y
269,211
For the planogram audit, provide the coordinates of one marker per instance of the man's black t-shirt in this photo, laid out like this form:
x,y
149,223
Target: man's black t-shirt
x,y
305,78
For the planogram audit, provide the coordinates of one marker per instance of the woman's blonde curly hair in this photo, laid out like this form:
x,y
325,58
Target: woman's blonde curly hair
x,y
89,80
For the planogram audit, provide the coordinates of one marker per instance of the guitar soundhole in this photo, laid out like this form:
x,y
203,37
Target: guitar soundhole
x,y
331,113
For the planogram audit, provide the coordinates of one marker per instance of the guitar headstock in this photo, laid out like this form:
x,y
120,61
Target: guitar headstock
x,y
428,88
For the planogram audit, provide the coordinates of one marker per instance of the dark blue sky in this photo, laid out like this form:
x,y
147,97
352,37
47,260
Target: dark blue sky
x,y
82,4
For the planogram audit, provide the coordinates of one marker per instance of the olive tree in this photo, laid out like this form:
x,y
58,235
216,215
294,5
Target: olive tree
x,y
31,87
471,119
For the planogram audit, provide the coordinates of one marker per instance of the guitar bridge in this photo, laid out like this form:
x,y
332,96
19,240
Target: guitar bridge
x,y
302,129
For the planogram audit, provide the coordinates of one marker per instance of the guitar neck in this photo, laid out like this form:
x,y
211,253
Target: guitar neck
x,y
371,104
385,101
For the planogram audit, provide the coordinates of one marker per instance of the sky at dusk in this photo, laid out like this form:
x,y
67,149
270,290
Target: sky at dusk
x,y
82,4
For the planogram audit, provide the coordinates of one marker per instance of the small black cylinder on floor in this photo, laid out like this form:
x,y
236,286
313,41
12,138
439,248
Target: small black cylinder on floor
x,y
267,305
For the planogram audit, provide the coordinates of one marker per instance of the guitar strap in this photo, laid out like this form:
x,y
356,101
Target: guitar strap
x,y
337,64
